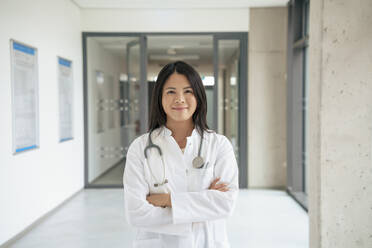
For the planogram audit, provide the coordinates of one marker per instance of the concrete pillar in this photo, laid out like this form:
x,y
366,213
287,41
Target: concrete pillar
x,y
340,124
267,98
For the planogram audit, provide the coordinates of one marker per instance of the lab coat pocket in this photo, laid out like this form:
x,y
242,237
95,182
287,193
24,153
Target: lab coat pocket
x,y
200,179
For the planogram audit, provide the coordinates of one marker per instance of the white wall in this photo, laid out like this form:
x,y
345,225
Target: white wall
x,y
34,182
340,124
267,98
165,20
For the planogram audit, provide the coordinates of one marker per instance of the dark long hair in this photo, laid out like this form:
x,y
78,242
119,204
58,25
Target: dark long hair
x,y
158,117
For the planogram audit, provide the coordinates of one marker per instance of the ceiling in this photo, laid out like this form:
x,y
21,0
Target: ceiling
x,y
177,4
195,49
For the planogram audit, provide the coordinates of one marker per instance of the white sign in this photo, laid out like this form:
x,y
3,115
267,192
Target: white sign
x,y
65,85
25,97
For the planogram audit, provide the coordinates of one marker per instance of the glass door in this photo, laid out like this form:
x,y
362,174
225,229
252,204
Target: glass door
x,y
231,92
115,103
116,93
131,124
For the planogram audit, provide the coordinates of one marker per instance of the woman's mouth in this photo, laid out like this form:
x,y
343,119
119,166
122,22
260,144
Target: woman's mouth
x,y
179,108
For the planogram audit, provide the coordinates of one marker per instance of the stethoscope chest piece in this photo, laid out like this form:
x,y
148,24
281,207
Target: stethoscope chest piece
x,y
198,162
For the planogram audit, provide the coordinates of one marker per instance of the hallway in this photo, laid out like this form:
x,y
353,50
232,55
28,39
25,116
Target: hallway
x,y
263,219
287,82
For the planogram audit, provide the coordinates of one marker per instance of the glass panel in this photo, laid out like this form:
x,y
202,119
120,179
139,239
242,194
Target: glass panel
x,y
228,87
305,119
210,106
298,20
306,17
196,50
132,124
113,68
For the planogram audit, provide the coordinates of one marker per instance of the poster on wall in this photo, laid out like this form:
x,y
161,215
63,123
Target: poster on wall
x,y
25,96
65,86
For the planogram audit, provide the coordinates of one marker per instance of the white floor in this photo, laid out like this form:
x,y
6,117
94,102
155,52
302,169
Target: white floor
x,y
95,218
113,176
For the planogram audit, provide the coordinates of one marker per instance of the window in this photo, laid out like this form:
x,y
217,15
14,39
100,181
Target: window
x,y
298,42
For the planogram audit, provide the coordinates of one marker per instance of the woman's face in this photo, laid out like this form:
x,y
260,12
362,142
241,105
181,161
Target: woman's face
x,y
178,100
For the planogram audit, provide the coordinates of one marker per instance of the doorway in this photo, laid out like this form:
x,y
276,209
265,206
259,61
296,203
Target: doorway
x,y
120,71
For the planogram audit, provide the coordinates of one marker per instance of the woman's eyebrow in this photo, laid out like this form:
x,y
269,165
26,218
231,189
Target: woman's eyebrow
x,y
173,88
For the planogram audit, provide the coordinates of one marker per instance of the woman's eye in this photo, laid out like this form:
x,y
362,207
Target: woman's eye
x,y
170,92
188,91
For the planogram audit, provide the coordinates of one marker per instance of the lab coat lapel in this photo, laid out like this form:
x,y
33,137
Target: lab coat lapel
x,y
175,160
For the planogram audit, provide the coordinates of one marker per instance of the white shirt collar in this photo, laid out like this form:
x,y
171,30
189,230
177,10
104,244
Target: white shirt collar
x,y
167,132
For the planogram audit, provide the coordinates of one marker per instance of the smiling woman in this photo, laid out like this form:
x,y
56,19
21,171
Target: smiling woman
x,y
180,193
178,85
178,100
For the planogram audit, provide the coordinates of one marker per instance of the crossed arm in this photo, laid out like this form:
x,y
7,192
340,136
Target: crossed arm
x,y
164,200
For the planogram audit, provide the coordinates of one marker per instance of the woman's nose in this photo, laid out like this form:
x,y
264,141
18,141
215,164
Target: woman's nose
x,y
180,98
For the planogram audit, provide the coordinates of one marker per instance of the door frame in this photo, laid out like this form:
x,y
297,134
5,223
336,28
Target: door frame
x,y
242,101
243,91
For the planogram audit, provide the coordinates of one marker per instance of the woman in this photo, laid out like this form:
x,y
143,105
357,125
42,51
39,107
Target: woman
x,y
180,179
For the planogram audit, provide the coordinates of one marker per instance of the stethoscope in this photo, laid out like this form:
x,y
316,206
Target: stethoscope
x,y
197,162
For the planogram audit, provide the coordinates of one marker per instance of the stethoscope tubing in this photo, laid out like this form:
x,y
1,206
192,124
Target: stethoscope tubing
x,y
152,145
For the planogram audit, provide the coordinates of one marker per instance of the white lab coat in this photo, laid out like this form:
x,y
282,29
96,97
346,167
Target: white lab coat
x,y
197,216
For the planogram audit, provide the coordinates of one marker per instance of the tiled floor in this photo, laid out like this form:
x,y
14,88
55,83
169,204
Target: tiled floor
x,y
95,218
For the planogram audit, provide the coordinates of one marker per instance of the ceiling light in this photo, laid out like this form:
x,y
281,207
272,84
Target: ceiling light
x,y
171,51
177,46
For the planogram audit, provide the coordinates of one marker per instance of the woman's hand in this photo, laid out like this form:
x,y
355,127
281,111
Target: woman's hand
x,y
160,200
220,187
